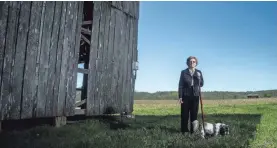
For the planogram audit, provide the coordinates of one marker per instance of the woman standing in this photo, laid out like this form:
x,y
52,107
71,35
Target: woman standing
x,y
191,79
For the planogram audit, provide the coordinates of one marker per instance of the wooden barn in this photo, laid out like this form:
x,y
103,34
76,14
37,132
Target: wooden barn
x,y
41,46
252,96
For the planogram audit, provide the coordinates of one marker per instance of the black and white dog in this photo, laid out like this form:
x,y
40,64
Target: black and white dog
x,y
211,130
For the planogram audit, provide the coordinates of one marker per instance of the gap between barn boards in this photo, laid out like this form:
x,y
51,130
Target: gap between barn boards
x,y
84,50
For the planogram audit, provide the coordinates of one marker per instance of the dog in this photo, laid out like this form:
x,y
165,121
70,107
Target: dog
x,y
212,130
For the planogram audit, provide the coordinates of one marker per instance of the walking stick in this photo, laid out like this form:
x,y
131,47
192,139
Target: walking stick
x,y
201,103
202,114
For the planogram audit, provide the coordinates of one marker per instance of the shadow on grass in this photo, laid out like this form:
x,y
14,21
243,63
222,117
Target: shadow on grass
x,y
141,121
242,126
143,131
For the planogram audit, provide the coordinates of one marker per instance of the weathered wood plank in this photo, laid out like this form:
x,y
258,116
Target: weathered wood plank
x,y
86,31
77,104
99,61
103,39
91,107
130,8
6,88
138,10
84,71
117,4
77,49
71,47
137,7
85,39
52,60
80,111
58,100
115,60
121,57
125,6
105,90
44,59
70,99
3,30
19,60
110,61
135,58
29,86
87,23
125,63
42,19
125,68
65,59
133,9
129,65
130,62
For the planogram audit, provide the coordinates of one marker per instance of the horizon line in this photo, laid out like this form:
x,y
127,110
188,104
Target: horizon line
x,y
208,91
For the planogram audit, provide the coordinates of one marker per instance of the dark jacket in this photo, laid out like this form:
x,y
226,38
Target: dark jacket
x,y
185,83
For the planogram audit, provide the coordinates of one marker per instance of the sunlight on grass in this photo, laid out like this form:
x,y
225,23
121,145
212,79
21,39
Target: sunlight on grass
x,y
266,129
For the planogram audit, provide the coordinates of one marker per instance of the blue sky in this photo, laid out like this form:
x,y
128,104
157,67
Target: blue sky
x,y
235,42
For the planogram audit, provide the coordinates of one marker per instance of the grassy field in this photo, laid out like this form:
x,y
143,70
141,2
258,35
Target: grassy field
x,y
157,125
216,102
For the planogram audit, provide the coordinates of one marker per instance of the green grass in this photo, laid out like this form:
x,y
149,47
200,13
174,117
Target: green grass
x,y
265,130
156,126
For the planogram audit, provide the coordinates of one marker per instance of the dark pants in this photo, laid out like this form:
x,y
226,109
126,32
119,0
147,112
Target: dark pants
x,y
189,108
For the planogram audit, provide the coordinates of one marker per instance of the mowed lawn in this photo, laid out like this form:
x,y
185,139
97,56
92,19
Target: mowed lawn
x,y
253,123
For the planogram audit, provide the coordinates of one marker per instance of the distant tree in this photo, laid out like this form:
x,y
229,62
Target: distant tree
x,y
171,95
267,95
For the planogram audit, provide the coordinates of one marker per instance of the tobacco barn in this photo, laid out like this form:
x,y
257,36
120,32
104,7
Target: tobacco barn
x,y
44,45
252,96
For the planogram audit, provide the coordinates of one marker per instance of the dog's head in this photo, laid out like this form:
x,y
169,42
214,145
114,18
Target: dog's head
x,y
224,129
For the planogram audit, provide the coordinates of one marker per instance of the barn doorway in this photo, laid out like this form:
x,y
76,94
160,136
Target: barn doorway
x,y
83,62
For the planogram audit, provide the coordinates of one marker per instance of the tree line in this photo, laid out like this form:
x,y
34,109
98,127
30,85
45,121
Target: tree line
x,y
173,95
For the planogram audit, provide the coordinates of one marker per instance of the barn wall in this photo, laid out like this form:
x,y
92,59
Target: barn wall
x,y
112,53
38,58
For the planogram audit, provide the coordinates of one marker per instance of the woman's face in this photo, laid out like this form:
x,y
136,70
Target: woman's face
x,y
192,63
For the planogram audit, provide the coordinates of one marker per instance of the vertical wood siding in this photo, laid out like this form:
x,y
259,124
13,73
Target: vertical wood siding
x,y
39,43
